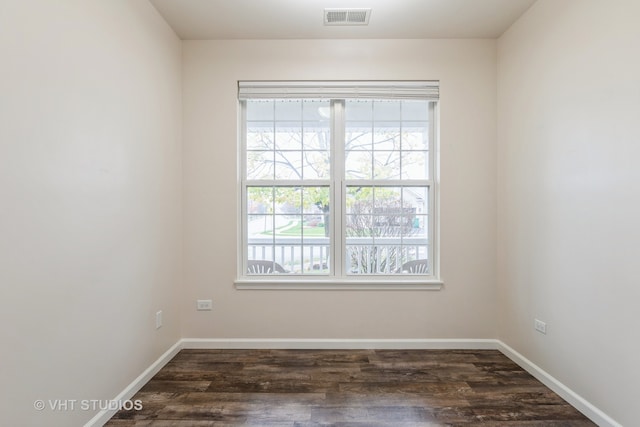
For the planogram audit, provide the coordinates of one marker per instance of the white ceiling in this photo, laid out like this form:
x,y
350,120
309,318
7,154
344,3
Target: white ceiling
x,y
303,19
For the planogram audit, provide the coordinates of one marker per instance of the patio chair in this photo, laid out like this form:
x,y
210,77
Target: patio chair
x,y
259,266
418,266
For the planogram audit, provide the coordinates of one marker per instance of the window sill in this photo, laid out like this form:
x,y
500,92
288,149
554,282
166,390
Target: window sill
x,y
338,285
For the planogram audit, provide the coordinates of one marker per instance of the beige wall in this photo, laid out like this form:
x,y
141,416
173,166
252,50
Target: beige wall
x,y
95,96
463,309
90,200
569,195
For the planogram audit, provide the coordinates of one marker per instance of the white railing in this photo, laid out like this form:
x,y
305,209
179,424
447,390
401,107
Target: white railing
x,y
292,253
384,255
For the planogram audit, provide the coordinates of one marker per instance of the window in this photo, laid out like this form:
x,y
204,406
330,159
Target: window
x,y
338,182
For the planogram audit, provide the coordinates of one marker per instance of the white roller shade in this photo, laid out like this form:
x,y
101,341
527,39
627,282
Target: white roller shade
x,y
425,90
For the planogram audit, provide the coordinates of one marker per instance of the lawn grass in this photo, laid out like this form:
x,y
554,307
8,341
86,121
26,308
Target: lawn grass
x,y
297,229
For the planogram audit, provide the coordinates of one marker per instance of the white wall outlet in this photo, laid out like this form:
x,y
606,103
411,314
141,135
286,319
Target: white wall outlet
x,y
159,319
204,304
540,326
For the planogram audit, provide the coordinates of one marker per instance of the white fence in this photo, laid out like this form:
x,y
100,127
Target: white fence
x,y
381,255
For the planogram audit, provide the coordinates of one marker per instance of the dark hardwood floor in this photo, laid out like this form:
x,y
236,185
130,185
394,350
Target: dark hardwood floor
x,y
346,388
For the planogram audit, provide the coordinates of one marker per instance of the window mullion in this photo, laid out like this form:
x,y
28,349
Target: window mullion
x,y
242,202
434,195
337,179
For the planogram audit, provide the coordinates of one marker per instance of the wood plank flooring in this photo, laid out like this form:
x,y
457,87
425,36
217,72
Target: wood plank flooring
x,y
346,388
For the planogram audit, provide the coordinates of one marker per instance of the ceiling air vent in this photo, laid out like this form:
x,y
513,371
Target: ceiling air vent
x,y
346,16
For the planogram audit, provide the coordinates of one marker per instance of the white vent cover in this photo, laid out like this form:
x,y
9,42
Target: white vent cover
x,y
346,16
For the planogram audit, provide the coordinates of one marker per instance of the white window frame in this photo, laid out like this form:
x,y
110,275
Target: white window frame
x,y
337,92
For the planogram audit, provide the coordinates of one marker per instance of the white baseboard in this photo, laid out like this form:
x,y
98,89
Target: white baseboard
x,y
103,416
588,409
577,401
339,344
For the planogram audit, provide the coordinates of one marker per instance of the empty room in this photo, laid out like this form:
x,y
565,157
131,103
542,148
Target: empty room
x,y
319,213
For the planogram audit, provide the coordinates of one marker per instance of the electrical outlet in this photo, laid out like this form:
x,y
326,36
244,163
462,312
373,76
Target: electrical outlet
x,y
540,326
158,319
204,304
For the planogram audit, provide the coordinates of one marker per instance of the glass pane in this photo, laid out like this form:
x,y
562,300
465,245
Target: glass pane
x,y
289,227
358,136
260,200
358,110
358,165
288,200
386,164
387,198
316,138
260,136
315,230
388,212
260,229
361,225
359,200
316,255
293,235
261,267
416,238
386,138
417,198
287,254
419,264
377,259
415,165
288,136
318,260
316,164
314,226
316,110
415,110
386,110
288,109
382,240
259,109
260,226
415,136
418,231
288,165
395,129
387,257
415,208
315,200
359,259
260,165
